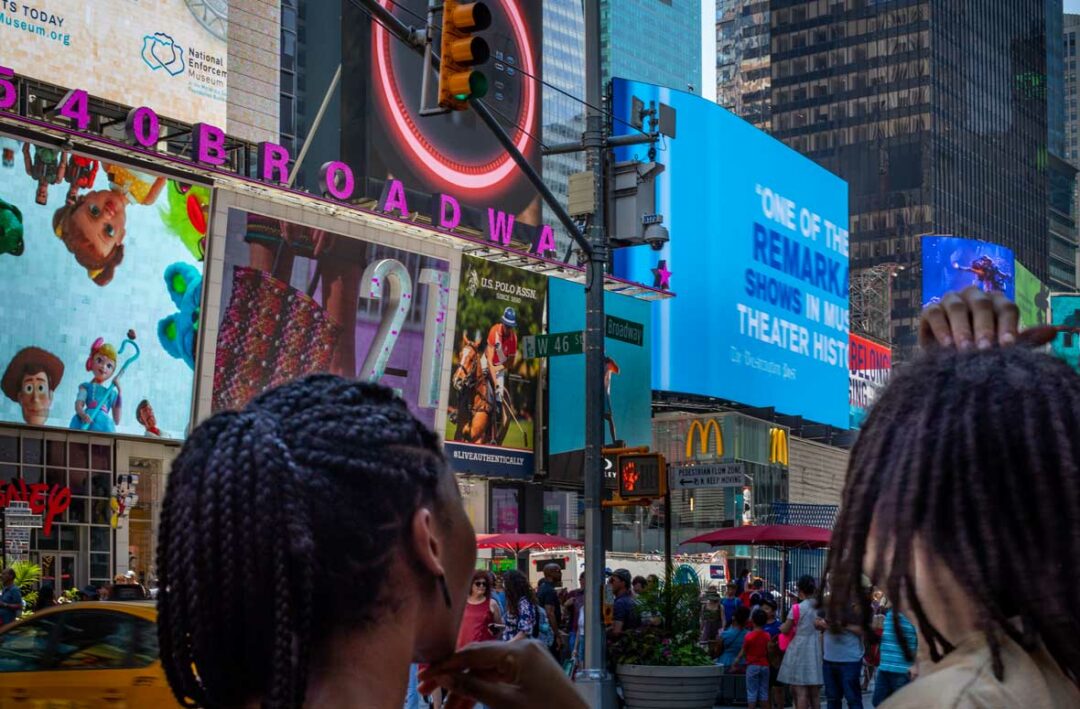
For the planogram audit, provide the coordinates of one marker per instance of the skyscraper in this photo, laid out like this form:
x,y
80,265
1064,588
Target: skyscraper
x,y
935,112
742,59
657,41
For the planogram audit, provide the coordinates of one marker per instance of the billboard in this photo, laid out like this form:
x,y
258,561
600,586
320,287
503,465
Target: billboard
x,y
102,271
492,408
871,365
297,300
628,350
759,262
453,153
171,55
1032,297
951,263
1065,312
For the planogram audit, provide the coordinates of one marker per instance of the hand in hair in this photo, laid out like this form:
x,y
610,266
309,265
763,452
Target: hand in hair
x,y
518,675
972,318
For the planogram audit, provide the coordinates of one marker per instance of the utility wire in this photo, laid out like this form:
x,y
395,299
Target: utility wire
x,y
537,79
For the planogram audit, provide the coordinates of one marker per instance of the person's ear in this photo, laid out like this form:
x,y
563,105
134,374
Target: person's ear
x,y
427,542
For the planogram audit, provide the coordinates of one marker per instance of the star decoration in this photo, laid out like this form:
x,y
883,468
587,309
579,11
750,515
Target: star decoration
x,y
661,276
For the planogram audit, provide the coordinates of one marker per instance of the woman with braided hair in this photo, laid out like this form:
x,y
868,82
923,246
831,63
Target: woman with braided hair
x,y
328,481
968,463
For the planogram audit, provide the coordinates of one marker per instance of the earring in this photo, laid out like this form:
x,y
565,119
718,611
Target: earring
x,y
445,591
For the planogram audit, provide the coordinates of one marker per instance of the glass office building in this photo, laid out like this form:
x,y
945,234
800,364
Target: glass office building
x,y
743,74
630,47
935,112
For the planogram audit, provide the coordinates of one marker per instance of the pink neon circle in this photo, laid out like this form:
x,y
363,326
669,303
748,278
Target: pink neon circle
x,y
435,162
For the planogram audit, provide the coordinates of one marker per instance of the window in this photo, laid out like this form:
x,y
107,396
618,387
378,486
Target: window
x,y
104,640
25,648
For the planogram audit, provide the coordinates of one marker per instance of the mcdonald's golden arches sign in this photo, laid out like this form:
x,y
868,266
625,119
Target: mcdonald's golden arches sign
x,y
701,431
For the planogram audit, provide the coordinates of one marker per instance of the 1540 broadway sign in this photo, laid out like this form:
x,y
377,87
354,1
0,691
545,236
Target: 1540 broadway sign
x,y
337,181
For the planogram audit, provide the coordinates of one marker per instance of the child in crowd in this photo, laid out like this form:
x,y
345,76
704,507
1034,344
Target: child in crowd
x,y
755,649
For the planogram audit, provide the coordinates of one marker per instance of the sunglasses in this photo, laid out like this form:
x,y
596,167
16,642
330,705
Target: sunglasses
x,y
480,583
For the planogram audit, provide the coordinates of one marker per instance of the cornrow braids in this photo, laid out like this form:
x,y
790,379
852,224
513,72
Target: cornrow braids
x,y
947,458
317,478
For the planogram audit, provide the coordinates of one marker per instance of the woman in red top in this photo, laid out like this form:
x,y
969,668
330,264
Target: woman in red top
x,y
481,612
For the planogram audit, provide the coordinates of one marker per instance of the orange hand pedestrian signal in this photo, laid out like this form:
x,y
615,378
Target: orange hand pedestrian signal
x,y
642,475
461,50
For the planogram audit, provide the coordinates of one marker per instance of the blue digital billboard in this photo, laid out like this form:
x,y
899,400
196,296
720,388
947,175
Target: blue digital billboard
x,y
628,402
951,263
1065,313
759,263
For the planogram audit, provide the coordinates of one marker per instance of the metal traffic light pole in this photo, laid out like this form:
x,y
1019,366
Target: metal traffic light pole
x,y
595,683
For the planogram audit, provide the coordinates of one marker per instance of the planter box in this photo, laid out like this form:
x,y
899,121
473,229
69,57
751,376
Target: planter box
x,y
652,687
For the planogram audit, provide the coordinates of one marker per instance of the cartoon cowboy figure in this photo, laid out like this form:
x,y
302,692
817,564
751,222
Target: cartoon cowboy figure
x,y
31,380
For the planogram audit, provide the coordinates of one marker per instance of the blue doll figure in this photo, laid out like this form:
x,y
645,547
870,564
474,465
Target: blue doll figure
x,y
97,407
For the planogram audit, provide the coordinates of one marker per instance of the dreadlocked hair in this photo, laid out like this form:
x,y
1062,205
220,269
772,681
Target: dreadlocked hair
x,y
951,451
318,478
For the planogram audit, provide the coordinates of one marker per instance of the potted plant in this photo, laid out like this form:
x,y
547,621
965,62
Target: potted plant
x,y
662,664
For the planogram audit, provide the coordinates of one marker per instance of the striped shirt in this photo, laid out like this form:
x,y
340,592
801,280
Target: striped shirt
x,y
892,655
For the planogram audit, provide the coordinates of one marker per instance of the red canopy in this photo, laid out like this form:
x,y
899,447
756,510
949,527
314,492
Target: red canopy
x,y
786,536
518,543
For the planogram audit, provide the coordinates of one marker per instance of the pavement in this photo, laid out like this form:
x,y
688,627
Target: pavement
x,y
866,701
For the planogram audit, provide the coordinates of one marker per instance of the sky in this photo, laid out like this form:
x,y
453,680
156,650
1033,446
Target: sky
x,y
1072,6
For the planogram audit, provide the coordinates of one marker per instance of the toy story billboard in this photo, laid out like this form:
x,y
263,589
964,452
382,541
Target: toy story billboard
x,y
169,54
103,269
491,414
297,300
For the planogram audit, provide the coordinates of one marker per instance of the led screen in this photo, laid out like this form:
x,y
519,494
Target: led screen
x,y
758,257
102,266
1032,297
871,365
953,263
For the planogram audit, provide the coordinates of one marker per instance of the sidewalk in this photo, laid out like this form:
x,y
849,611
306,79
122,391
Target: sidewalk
x,y
866,701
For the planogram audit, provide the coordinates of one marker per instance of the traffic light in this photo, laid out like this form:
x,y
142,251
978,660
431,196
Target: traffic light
x,y
642,475
461,50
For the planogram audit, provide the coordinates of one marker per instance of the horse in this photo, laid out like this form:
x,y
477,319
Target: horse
x,y
476,399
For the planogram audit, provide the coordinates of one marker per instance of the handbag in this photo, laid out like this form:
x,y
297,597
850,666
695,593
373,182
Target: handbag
x,y
784,639
270,333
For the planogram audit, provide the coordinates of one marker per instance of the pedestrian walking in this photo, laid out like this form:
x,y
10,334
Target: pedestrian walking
x,y
755,648
11,603
712,620
802,665
731,640
895,670
842,660
482,615
624,611
521,607
281,493
777,688
730,603
931,511
547,596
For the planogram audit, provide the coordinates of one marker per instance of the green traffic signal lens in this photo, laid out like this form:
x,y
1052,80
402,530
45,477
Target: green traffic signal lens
x,y
478,84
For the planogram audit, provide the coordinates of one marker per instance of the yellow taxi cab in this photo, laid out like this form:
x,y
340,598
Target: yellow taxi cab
x,y
83,656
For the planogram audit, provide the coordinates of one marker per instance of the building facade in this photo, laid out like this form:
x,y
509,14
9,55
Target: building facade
x,y
936,113
631,46
743,54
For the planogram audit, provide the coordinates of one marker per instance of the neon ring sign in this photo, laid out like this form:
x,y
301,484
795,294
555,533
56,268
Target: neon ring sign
x,y
453,172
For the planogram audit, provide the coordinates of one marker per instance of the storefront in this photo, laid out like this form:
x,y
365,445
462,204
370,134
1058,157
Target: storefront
x,y
80,545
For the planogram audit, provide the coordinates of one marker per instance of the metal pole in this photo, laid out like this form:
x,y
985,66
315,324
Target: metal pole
x,y
315,125
668,563
601,691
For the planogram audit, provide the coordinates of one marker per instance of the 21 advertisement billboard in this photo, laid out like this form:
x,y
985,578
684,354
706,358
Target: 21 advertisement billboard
x,y
297,300
951,263
491,414
759,257
102,268
628,350
1065,312
168,54
871,365
454,153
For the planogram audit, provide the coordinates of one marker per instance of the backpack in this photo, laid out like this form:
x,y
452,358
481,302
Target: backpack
x,y
542,628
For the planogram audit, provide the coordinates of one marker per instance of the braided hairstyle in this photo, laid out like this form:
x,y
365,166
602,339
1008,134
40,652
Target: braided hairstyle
x,y
318,478
974,457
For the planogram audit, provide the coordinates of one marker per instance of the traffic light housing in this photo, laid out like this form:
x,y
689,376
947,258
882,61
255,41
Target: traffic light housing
x,y
462,50
642,475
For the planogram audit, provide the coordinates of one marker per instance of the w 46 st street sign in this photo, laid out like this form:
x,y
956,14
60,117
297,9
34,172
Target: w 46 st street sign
x,y
559,343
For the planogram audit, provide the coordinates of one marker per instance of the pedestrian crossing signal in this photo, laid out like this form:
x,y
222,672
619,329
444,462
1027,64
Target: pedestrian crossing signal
x,y
642,475
461,50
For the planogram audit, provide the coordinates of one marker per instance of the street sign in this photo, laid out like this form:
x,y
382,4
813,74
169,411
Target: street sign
x,y
709,475
626,331
553,345
21,521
